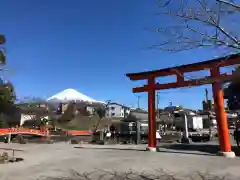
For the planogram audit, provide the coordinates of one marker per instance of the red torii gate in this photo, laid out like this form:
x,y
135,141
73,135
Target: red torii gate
x,y
215,79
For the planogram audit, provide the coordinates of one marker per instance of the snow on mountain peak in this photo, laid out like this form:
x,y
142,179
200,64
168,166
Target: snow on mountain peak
x,y
70,95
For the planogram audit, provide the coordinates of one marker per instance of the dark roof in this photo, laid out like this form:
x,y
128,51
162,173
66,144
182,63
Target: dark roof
x,y
143,116
170,109
113,103
35,111
138,110
136,116
186,66
165,117
140,115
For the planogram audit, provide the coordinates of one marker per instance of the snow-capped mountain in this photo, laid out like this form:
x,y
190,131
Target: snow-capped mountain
x,y
71,95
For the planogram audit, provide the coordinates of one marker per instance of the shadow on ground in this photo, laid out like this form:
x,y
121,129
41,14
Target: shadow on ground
x,y
143,150
205,148
11,149
108,148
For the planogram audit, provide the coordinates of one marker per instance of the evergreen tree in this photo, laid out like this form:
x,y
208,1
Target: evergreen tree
x,y
2,55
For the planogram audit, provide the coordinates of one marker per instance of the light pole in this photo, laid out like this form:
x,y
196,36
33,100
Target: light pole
x,y
186,134
157,105
138,132
138,101
209,112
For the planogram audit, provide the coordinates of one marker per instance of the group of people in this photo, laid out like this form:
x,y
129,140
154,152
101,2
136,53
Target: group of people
x,y
111,133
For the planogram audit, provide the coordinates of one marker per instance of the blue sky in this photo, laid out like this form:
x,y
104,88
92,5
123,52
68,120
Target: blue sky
x,y
89,46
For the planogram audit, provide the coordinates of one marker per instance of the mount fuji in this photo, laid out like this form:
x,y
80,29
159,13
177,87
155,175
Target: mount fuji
x,y
72,95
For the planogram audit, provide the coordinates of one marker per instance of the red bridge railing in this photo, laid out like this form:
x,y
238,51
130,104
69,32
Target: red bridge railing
x,y
20,130
41,132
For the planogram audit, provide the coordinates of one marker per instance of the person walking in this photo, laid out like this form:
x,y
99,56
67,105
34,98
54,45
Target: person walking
x,y
113,131
158,137
108,135
236,135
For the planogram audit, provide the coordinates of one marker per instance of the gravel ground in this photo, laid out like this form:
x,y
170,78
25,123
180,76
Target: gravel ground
x,y
54,160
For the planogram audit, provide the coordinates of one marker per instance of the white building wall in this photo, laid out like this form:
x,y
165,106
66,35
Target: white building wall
x,y
26,117
116,110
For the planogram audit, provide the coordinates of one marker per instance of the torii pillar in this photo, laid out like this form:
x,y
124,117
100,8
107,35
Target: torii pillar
x,y
152,142
222,124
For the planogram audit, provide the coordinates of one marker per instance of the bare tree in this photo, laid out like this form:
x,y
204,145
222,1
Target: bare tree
x,y
2,55
198,23
101,112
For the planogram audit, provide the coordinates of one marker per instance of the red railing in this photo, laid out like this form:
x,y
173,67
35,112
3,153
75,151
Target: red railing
x,y
6,131
79,132
42,132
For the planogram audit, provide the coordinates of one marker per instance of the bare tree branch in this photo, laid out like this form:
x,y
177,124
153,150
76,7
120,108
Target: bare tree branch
x,y
230,4
196,23
2,54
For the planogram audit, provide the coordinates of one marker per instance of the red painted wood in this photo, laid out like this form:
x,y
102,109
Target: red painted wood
x,y
6,131
151,115
197,82
43,132
224,140
79,132
184,69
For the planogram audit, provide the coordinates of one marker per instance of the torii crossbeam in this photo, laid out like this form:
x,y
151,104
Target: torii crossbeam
x,y
215,78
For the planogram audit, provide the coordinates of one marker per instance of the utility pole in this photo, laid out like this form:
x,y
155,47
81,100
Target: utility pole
x,y
209,111
157,105
138,124
206,95
138,101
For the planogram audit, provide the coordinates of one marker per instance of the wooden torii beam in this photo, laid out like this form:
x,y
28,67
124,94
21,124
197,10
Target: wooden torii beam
x,y
215,79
